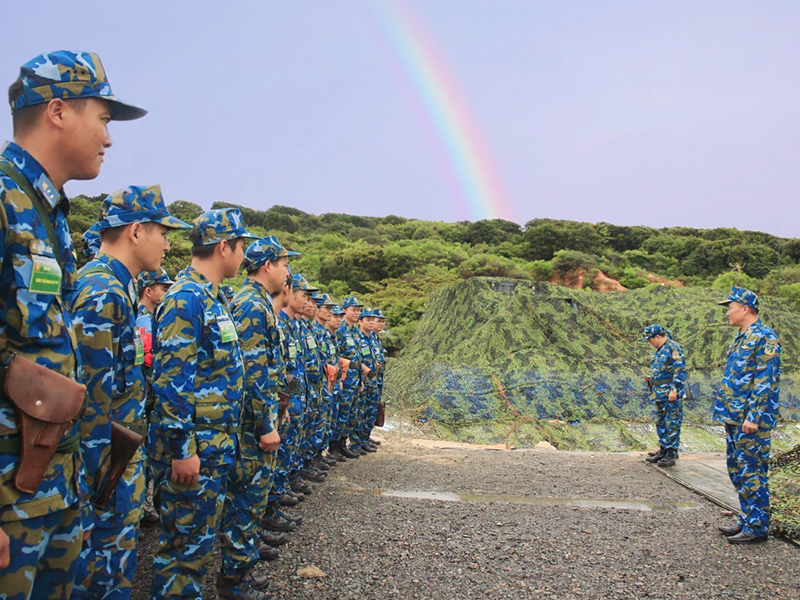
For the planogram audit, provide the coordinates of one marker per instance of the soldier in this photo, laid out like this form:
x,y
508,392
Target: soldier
x,y
198,378
133,230
667,382
350,358
267,262
747,404
315,377
332,327
378,326
61,105
364,420
228,292
327,348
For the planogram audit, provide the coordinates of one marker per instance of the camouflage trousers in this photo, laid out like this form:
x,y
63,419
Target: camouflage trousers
x,y
189,515
369,414
289,450
331,400
245,502
358,415
348,400
44,556
108,559
748,467
313,426
669,418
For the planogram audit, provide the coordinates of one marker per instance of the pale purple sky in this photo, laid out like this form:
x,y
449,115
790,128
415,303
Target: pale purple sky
x,y
631,112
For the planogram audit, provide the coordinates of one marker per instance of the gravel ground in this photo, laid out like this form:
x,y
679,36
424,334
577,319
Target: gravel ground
x,y
376,546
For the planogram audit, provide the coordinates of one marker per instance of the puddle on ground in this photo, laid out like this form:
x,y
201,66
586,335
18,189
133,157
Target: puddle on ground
x,y
614,503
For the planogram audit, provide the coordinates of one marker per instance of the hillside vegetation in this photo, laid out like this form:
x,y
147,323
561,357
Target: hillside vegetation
x,y
396,263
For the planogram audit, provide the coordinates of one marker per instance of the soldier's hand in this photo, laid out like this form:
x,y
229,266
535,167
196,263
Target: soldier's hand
x,y
186,470
366,369
749,427
270,442
673,395
5,550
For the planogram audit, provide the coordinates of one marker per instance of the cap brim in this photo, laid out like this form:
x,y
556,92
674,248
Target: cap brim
x,y
121,111
725,302
292,253
247,234
172,223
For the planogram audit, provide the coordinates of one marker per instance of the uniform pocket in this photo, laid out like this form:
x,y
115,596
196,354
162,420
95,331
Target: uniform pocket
x,y
34,307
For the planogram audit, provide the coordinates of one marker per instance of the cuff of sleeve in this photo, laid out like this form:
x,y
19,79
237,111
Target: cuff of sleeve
x,y
183,448
265,426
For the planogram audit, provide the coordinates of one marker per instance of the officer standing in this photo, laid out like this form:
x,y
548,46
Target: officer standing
x,y
61,105
133,229
332,326
267,262
151,286
378,326
364,419
747,404
198,379
667,382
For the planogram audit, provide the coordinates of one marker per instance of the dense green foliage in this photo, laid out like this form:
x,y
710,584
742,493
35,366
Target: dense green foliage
x,y
396,262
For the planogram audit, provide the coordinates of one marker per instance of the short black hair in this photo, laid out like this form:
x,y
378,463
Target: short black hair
x,y
24,118
202,252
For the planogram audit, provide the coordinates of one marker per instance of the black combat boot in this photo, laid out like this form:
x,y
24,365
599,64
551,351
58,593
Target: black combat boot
x,y
669,458
287,500
240,587
266,552
374,442
348,452
301,486
335,451
273,521
273,538
657,456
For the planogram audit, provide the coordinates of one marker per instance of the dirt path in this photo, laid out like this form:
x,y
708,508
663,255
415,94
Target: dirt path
x,y
517,524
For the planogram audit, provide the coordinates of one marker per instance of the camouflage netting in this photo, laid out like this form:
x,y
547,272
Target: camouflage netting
x,y
519,362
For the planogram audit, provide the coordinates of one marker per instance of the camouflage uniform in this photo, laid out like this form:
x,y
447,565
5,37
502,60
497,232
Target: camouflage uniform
x,y
348,347
198,382
312,431
749,392
368,409
667,373
91,241
327,349
251,479
44,527
112,355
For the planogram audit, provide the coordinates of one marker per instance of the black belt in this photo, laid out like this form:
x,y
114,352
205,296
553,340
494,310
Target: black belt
x,y
660,381
229,429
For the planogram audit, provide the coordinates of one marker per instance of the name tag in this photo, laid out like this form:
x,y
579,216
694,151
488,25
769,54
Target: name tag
x,y
281,334
45,276
227,330
364,350
137,340
312,344
350,342
331,348
292,351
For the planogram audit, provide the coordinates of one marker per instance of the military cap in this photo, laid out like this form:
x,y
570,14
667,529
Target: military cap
x,y
350,301
148,278
367,312
299,283
378,314
68,75
742,296
225,224
652,331
263,250
91,240
326,300
337,310
137,204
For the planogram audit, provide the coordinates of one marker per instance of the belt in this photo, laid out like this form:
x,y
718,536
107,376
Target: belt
x,y
229,429
68,446
660,381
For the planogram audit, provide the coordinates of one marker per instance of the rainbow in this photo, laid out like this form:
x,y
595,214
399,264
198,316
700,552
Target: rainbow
x,y
477,180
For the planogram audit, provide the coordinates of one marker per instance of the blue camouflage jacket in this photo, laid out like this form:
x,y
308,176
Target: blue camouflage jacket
x,y
311,354
35,324
751,380
349,347
380,355
295,367
668,365
260,341
112,356
368,357
198,374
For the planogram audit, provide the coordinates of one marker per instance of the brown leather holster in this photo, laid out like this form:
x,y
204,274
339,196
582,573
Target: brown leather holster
x,y
46,405
124,444
381,417
283,406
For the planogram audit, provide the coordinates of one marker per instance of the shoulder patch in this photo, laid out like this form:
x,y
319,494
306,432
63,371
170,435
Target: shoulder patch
x,y
770,347
676,354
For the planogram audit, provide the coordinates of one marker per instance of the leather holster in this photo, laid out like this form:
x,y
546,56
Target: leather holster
x,y
46,405
381,417
124,444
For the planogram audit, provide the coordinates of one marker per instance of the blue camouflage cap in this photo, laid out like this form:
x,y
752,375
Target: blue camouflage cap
x,y
742,296
264,250
69,75
652,331
91,240
350,301
148,278
227,291
337,310
326,301
367,312
220,225
299,283
378,314
137,204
